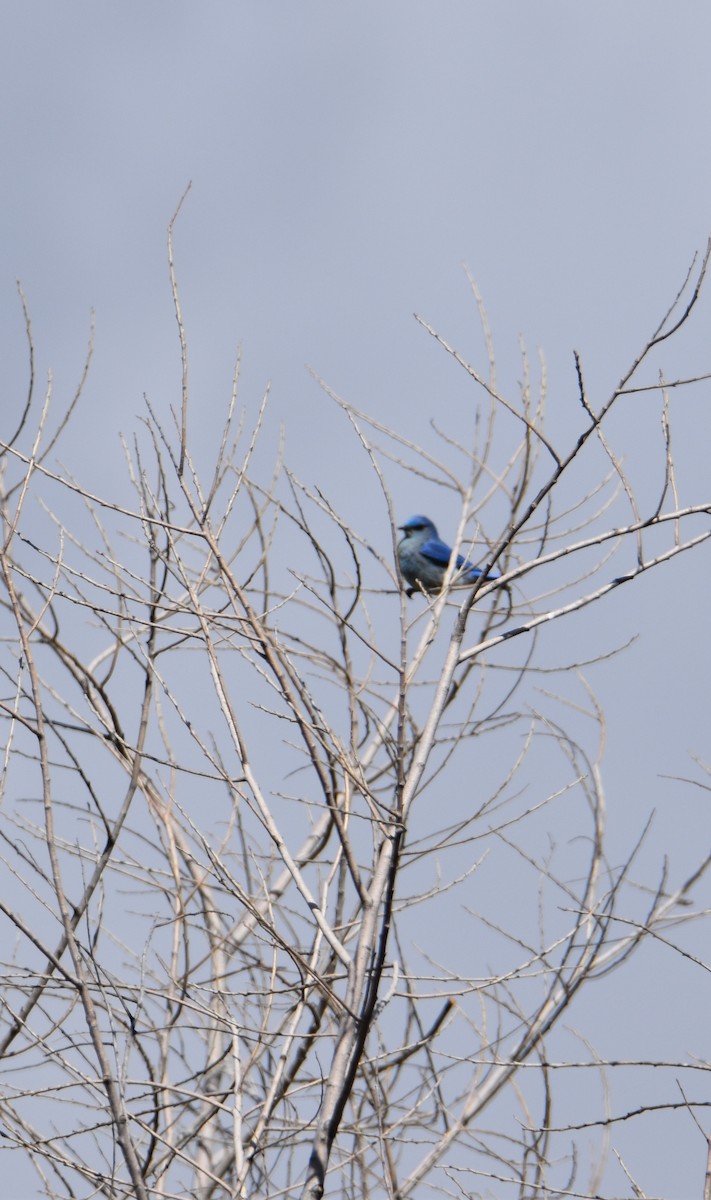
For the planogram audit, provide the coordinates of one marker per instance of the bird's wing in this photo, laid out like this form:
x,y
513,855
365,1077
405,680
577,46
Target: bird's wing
x,y
439,553
464,564
436,551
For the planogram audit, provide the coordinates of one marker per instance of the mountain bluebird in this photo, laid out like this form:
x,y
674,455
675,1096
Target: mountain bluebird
x,y
423,558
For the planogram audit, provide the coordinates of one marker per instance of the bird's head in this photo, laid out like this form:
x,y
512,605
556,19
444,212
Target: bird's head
x,y
418,524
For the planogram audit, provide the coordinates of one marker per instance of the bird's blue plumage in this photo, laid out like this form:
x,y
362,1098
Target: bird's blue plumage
x,y
423,558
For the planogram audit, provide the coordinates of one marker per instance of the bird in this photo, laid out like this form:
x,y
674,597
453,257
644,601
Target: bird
x,y
423,558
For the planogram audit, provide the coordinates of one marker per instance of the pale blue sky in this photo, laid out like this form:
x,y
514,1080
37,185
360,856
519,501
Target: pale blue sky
x,y
346,161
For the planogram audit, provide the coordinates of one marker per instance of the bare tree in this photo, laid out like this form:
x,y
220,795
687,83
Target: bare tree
x,y
302,875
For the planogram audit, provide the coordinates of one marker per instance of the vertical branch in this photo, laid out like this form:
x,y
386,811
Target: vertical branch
x,y
181,334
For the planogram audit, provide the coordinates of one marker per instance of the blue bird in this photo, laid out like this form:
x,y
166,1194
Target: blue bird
x,y
423,558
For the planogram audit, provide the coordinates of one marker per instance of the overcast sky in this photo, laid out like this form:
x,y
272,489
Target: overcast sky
x,y
347,160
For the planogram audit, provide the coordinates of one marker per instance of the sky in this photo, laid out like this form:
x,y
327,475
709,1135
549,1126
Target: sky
x,y
347,162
